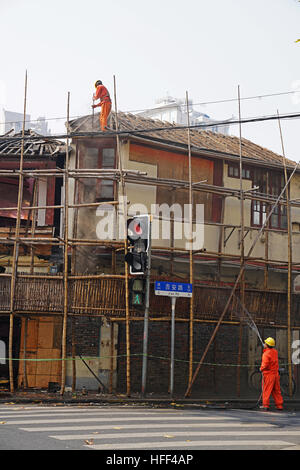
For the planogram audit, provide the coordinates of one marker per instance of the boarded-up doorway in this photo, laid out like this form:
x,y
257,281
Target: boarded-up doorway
x,y
41,339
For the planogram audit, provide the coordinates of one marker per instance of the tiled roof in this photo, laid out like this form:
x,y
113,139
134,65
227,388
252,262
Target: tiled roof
x,y
173,134
34,145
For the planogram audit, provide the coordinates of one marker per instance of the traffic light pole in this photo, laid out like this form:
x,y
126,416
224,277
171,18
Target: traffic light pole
x,y
146,316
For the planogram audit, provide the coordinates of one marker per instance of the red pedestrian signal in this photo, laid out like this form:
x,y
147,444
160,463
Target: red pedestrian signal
x,y
138,238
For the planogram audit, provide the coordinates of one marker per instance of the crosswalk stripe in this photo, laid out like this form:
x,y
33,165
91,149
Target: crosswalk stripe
x,y
109,418
183,444
188,434
131,429
99,413
82,410
146,426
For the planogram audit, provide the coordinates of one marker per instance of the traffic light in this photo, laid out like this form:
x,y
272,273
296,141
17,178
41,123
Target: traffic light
x,y
138,237
137,293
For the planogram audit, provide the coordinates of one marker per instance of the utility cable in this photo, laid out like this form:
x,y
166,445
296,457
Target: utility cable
x,y
155,129
145,110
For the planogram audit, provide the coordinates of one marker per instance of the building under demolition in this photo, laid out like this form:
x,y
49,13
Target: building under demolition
x,y
66,315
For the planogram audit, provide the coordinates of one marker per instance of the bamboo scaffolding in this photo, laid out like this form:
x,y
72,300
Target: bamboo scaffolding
x,y
191,323
219,190
123,193
65,275
75,212
242,247
33,226
290,256
266,270
123,176
237,282
111,369
16,247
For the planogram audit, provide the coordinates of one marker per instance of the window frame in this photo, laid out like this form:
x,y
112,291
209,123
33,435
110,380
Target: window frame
x,y
275,183
270,182
103,182
236,169
97,164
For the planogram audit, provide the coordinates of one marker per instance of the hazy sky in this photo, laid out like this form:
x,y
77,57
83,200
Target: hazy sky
x,y
205,47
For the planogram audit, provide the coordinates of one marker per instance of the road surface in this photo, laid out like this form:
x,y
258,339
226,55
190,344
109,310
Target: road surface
x,y
136,428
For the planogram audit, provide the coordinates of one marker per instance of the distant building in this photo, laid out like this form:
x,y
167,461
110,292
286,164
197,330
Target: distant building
x,y
40,126
11,120
174,110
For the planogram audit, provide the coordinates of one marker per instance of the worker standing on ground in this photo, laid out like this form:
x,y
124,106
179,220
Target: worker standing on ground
x,y
102,94
271,381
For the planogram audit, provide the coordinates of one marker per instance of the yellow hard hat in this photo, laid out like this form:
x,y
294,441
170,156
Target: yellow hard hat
x,y
270,342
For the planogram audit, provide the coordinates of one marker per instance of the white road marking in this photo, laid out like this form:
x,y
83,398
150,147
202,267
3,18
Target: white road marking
x,y
145,426
18,414
187,434
101,418
182,444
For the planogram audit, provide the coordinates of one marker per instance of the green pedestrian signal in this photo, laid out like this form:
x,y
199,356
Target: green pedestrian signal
x,y
137,299
137,289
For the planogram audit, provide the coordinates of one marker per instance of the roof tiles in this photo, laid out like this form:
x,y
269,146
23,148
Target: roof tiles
x,y
173,134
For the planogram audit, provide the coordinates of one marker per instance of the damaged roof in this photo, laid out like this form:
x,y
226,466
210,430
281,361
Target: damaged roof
x,y
171,133
35,145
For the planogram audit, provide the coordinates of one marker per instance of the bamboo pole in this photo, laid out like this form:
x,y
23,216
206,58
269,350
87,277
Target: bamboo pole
x,y
242,247
65,276
123,193
75,213
16,247
178,184
191,324
111,370
25,325
266,269
33,225
290,248
73,355
61,206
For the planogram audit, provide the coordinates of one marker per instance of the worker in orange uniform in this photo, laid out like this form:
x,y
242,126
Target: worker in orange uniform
x,y
102,94
270,370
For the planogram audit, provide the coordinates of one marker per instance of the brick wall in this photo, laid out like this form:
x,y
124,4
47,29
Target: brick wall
x,y
212,378
86,331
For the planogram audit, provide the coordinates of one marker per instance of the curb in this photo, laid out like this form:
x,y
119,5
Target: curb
x,y
96,399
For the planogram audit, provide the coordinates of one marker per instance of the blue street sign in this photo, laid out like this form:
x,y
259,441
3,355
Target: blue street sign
x,y
173,289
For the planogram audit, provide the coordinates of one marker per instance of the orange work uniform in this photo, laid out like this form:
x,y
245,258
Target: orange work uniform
x,y
271,382
102,94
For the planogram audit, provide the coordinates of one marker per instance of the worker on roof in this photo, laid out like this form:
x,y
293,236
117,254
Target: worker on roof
x,y
102,94
271,381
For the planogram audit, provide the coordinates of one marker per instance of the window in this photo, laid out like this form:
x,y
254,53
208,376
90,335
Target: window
x,y
106,186
108,158
9,189
279,215
269,183
259,213
246,174
94,157
234,171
